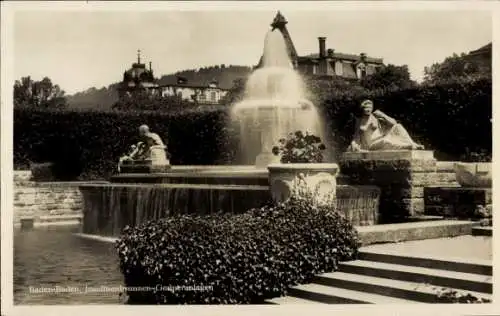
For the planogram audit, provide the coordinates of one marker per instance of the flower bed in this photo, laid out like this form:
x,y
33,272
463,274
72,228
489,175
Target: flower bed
x,y
236,259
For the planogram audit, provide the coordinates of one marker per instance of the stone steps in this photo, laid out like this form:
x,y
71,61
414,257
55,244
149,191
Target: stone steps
x,y
337,295
380,277
482,267
438,277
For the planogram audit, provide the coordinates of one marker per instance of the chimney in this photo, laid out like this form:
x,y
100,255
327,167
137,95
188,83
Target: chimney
x,y
362,57
322,51
330,53
150,68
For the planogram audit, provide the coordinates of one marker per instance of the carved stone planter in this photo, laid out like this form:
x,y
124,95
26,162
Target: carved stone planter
x,y
475,174
319,178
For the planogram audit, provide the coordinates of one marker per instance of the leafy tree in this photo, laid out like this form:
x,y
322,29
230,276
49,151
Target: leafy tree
x,y
389,77
236,93
456,67
40,94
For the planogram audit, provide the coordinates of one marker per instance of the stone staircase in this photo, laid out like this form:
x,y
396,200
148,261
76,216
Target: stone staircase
x,y
387,278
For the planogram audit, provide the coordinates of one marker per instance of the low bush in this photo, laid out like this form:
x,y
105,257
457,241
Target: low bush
x,y
235,259
446,295
42,171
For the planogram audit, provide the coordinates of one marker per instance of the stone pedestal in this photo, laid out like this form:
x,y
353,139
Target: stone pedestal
x,y
158,162
458,202
474,174
401,176
265,159
318,178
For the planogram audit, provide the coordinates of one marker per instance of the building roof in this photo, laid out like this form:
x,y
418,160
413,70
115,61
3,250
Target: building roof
x,y
343,56
193,83
486,49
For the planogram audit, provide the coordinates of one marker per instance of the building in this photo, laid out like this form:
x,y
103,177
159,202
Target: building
x,y
199,92
327,63
137,79
481,58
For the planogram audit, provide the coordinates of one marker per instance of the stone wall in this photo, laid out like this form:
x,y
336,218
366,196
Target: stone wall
x,y
402,182
46,202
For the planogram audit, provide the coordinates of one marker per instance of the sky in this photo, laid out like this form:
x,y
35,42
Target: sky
x,y
83,49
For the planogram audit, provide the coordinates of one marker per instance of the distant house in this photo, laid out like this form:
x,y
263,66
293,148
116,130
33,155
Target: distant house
x,y
481,58
327,63
192,90
140,80
137,79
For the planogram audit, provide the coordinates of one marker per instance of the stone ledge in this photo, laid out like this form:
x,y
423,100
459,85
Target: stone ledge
x,y
390,233
482,231
390,155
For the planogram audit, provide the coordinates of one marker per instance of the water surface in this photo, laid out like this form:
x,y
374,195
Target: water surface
x,y
53,259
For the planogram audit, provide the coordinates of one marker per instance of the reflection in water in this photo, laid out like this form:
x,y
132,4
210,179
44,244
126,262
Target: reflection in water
x,y
55,260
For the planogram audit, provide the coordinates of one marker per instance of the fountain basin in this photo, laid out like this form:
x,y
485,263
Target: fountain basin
x,y
219,175
109,207
475,174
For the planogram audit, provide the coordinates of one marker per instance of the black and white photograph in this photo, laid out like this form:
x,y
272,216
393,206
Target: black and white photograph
x,y
283,154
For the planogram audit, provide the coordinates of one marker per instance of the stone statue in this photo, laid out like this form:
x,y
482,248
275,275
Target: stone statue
x,y
375,131
150,149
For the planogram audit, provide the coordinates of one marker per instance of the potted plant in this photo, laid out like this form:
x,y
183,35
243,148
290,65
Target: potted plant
x,y
301,156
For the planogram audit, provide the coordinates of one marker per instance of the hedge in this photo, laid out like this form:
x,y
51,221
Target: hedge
x,y
453,119
235,259
88,143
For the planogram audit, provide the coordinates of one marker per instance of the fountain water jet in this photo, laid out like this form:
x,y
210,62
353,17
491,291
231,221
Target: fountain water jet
x,y
273,104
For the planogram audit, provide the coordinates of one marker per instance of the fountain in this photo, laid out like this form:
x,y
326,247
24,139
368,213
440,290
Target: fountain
x,y
274,106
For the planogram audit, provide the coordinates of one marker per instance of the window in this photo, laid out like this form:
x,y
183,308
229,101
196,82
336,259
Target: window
x,y
339,68
202,97
361,71
213,96
315,69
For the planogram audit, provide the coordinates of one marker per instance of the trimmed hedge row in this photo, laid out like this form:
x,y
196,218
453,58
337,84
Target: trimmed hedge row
x,y
88,143
453,119
235,259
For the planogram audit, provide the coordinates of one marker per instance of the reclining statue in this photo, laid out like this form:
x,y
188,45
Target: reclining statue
x,y
377,131
150,149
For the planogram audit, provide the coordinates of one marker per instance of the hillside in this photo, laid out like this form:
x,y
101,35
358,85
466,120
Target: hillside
x,y
105,97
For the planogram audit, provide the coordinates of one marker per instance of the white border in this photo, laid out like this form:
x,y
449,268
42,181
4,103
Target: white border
x,y
7,10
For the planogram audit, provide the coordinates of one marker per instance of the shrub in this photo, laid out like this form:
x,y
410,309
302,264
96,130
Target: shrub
x,y
300,148
88,144
446,295
451,118
241,259
94,141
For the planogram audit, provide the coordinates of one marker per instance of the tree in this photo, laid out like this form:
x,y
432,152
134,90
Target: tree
x,y
389,77
236,93
455,67
41,94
